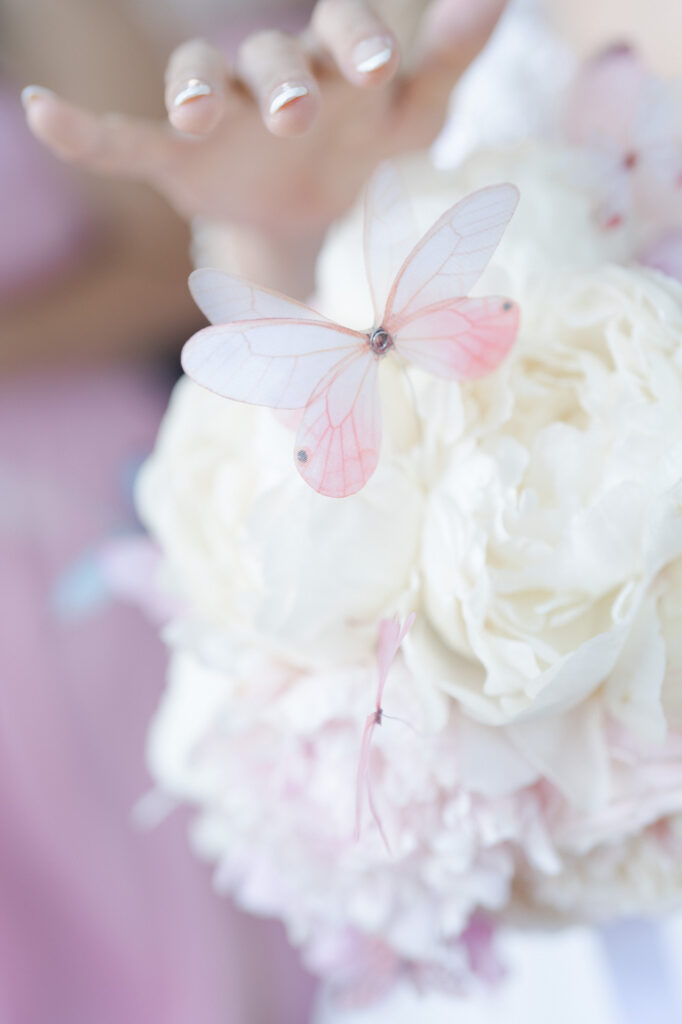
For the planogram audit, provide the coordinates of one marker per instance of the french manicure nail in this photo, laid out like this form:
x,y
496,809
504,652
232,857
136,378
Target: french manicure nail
x,y
287,93
34,92
193,89
372,54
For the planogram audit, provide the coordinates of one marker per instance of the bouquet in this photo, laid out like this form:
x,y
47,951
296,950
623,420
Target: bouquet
x,y
528,768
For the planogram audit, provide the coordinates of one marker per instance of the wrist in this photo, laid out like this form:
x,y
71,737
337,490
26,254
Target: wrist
x,y
284,262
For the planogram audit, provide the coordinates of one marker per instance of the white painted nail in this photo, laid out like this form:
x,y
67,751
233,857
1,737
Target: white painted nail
x,y
372,54
34,92
192,91
287,93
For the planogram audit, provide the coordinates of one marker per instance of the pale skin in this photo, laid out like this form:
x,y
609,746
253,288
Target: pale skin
x,y
275,175
231,162
276,179
125,293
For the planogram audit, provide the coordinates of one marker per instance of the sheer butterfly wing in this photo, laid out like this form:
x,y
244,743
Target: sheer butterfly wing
x,y
337,447
451,257
465,338
389,235
391,635
274,362
224,299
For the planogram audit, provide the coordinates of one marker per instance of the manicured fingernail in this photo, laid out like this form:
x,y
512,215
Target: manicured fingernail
x,y
34,92
372,54
287,93
193,89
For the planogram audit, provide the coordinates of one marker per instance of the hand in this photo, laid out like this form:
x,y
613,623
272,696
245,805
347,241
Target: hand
x,y
282,142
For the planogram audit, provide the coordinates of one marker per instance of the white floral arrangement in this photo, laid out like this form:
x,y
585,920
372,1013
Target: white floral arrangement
x,y
531,769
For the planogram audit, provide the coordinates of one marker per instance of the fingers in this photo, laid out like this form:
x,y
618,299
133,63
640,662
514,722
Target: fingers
x,y
365,50
196,84
453,34
455,31
276,72
109,144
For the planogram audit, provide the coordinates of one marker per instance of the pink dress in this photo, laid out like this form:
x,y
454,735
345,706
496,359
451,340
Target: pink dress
x,y
100,923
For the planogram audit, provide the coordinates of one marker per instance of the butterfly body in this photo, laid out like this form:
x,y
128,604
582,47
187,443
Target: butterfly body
x,y
268,350
380,342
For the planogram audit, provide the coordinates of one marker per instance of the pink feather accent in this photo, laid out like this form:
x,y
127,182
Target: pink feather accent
x,y
391,636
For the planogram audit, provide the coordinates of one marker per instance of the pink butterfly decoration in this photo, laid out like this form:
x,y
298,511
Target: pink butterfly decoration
x,y
391,636
269,350
632,123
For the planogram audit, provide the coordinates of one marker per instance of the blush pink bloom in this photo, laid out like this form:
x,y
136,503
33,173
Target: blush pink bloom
x,y
631,123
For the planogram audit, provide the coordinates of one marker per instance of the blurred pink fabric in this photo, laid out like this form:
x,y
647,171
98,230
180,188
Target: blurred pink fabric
x,y
44,224
100,923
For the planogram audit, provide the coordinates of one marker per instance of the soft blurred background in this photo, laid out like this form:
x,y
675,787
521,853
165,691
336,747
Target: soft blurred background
x,y
101,921
105,921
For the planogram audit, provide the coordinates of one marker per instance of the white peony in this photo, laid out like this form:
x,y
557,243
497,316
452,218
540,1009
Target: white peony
x,y
552,487
248,545
270,754
549,537
533,520
253,550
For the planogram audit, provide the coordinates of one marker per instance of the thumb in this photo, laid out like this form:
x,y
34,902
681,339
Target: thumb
x,y
452,34
455,31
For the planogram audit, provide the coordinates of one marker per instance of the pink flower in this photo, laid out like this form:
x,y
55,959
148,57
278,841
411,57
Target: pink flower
x,y
632,124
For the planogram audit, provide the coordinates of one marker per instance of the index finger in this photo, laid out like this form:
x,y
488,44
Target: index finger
x,y
105,143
